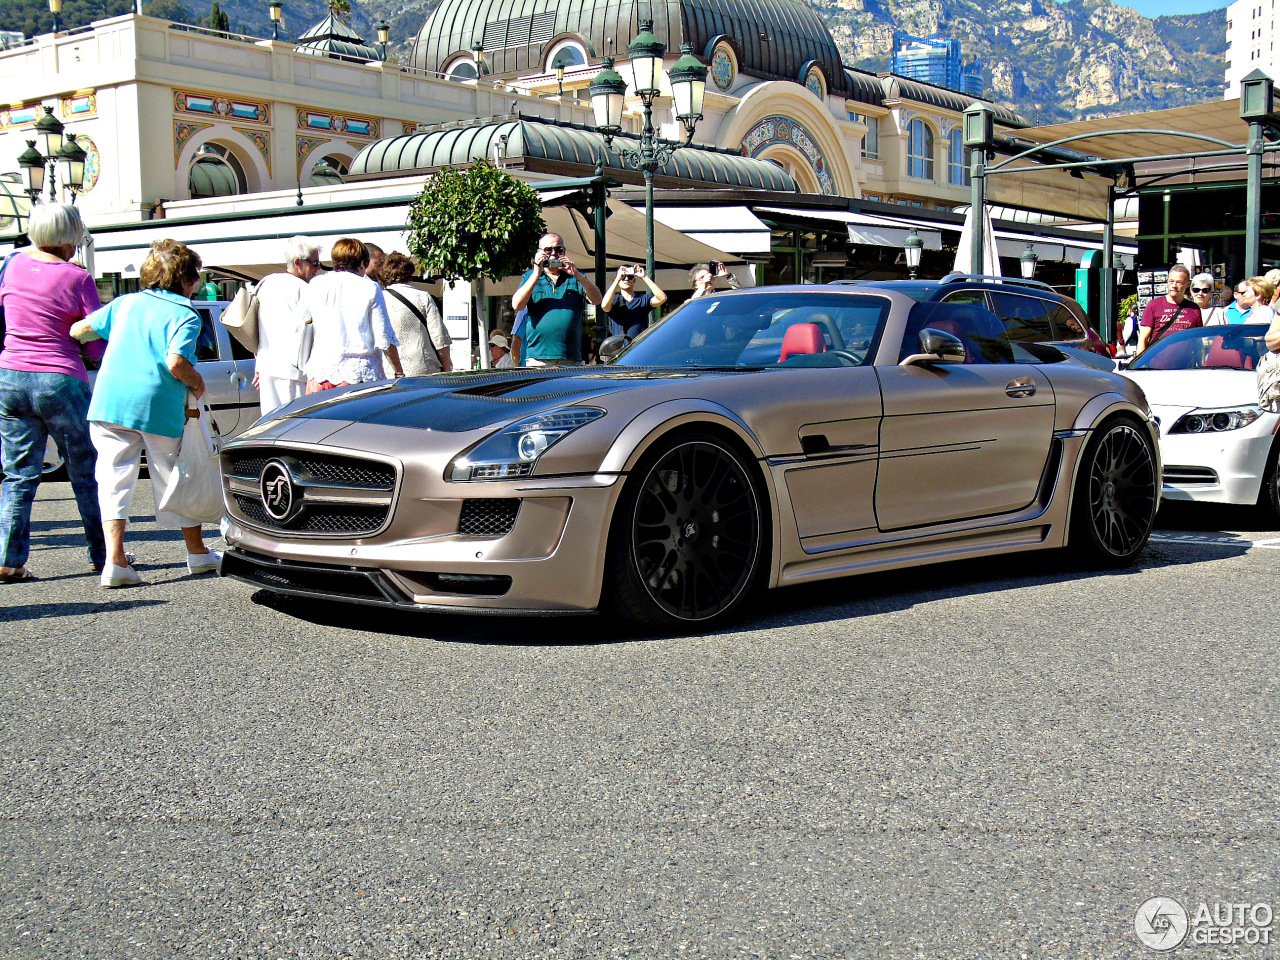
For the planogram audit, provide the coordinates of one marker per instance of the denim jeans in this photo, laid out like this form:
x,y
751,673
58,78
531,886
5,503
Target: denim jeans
x,y
34,407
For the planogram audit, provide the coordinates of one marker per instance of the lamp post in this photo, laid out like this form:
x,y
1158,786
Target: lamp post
x,y
32,163
979,136
913,246
478,51
384,34
558,64
1027,262
1256,109
274,8
49,128
55,7
608,90
71,166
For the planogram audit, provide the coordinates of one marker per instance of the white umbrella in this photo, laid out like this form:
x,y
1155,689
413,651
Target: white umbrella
x,y
990,253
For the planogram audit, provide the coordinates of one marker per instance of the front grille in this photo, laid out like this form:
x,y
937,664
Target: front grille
x,y
1190,475
488,517
335,495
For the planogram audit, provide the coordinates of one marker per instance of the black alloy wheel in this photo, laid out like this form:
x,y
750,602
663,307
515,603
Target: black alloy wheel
x,y
688,537
1117,493
1269,491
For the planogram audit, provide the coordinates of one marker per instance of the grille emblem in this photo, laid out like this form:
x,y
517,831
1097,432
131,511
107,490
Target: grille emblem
x,y
276,490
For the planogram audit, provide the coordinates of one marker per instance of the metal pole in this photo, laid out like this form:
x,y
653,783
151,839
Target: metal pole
x,y
648,163
977,203
1106,322
601,197
1253,201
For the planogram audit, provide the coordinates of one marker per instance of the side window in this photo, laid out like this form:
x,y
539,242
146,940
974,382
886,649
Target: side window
x,y
1069,327
1024,318
207,345
966,296
977,328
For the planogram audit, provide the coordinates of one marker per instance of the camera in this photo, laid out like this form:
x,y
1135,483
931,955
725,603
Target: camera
x,y
553,262
628,271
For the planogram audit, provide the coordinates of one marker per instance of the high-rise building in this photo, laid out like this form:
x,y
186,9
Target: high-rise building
x,y
1251,42
937,60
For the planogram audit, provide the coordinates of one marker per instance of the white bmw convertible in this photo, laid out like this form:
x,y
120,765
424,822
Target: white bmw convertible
x,y
1217,444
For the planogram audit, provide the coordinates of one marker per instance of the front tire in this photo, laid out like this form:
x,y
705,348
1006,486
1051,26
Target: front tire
x,y
1269,494
1116,494
688,538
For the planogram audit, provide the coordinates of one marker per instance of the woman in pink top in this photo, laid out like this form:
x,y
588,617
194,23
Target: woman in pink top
x,y
44,389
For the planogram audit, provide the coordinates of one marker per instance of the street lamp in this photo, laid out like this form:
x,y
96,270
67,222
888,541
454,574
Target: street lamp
x,y
1027,262
478,51
71,166
561,61
274,8
1257,108
32,163
384,34
913,246
608,91
55,7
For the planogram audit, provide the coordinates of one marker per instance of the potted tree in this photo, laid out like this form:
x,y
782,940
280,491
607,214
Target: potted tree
x,y
475,223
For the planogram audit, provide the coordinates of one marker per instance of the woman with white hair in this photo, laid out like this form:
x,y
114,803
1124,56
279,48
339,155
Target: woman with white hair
x,y
44,389
282,318
1203,287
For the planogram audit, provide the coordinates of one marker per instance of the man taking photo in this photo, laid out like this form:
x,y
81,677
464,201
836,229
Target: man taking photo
x,y
555,294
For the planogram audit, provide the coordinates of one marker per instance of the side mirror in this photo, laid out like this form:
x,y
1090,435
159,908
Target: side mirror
x,y
937,346
611,347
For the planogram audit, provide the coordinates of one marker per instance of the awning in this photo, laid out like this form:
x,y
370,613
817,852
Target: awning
x,y
732,229
866,229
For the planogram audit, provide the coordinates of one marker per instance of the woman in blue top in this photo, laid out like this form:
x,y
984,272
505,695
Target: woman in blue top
x,y
139,400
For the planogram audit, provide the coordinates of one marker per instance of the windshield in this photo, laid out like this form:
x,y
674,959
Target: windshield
x,y
1226,347
763,329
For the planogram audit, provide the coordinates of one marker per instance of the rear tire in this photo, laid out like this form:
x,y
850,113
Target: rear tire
x,y
1269,494
1116,494
688,539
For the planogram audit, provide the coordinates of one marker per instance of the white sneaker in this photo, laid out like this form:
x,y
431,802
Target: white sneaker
x,y
203,562
113,576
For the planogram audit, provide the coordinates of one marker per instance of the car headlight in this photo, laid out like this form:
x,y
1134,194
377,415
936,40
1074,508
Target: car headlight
x,y
1215,421
513,451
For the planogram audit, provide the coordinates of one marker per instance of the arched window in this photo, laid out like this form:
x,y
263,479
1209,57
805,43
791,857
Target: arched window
x,y
957,168
568,53
920,150
215,172
328,172
460,68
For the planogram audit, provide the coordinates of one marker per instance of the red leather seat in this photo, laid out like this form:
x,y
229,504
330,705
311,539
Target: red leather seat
x,y
802,338
1220,356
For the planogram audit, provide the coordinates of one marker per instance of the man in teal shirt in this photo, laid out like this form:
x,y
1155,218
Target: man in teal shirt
x,y
554,294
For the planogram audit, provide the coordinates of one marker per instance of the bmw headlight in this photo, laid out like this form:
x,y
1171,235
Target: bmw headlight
x,y
1215,421
513,451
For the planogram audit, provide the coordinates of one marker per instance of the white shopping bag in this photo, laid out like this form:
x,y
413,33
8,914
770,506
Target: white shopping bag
x,y
195,485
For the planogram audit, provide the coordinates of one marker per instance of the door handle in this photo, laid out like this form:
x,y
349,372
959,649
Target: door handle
x,y
236,379
1021,387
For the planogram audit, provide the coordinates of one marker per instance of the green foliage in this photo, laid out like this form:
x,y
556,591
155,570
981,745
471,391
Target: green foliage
x,y
340,9
218,19
1128,303
32,17
473,223
169,10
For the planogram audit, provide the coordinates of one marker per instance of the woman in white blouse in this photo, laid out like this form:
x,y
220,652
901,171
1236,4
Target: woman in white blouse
x,y
351,323
424,341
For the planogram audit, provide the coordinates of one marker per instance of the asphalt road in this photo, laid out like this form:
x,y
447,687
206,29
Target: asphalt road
x,y
996,759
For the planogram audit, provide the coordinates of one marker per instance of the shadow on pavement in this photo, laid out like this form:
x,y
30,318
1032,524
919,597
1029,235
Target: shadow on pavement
x,y
34,611
1180,515
819,602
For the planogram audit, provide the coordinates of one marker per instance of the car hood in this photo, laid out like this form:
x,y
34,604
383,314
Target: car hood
x,y
458,403
1192,389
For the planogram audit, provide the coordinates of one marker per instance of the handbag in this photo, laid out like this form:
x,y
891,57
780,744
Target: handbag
x,y
241,318
1269,382
194,489
421,319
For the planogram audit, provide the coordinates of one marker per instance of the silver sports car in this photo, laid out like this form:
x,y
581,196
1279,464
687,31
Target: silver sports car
x,y
753,439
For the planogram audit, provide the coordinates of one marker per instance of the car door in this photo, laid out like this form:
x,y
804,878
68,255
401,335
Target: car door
x,y
959,441
222,377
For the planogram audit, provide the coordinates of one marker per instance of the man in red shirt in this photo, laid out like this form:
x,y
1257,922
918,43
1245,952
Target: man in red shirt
x,y
1170,313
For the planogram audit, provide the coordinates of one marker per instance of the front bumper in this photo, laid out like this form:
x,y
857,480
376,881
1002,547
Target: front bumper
x,y
1216,467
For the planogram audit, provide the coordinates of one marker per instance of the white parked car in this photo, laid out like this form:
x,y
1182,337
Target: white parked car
x,y
227,369
1217,444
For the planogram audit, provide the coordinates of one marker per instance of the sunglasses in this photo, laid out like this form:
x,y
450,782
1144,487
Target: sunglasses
x,y
1201,290
552,249
315,263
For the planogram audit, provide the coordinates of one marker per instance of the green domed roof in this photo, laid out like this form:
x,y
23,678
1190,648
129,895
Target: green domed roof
x,y
772,39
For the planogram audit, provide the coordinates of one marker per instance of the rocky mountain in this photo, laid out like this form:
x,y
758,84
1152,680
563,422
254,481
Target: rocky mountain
x,y
1050,60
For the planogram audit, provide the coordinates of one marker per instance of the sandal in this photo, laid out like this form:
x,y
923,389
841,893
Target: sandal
x,y
18,577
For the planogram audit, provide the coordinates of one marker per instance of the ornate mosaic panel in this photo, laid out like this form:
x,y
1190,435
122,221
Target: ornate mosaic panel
x,y
225,108
772,130
813,83
84,105
184,130
260,139
337,123
303,150
20,116
92,162
408,128
723,72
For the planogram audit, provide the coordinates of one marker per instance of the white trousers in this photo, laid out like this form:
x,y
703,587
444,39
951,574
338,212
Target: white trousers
x,y
119,454
275,392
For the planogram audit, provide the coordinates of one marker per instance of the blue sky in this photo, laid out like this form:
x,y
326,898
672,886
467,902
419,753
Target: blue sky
x,y
1156,8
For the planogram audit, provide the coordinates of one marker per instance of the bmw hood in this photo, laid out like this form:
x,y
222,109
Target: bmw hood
x,y
1192,389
